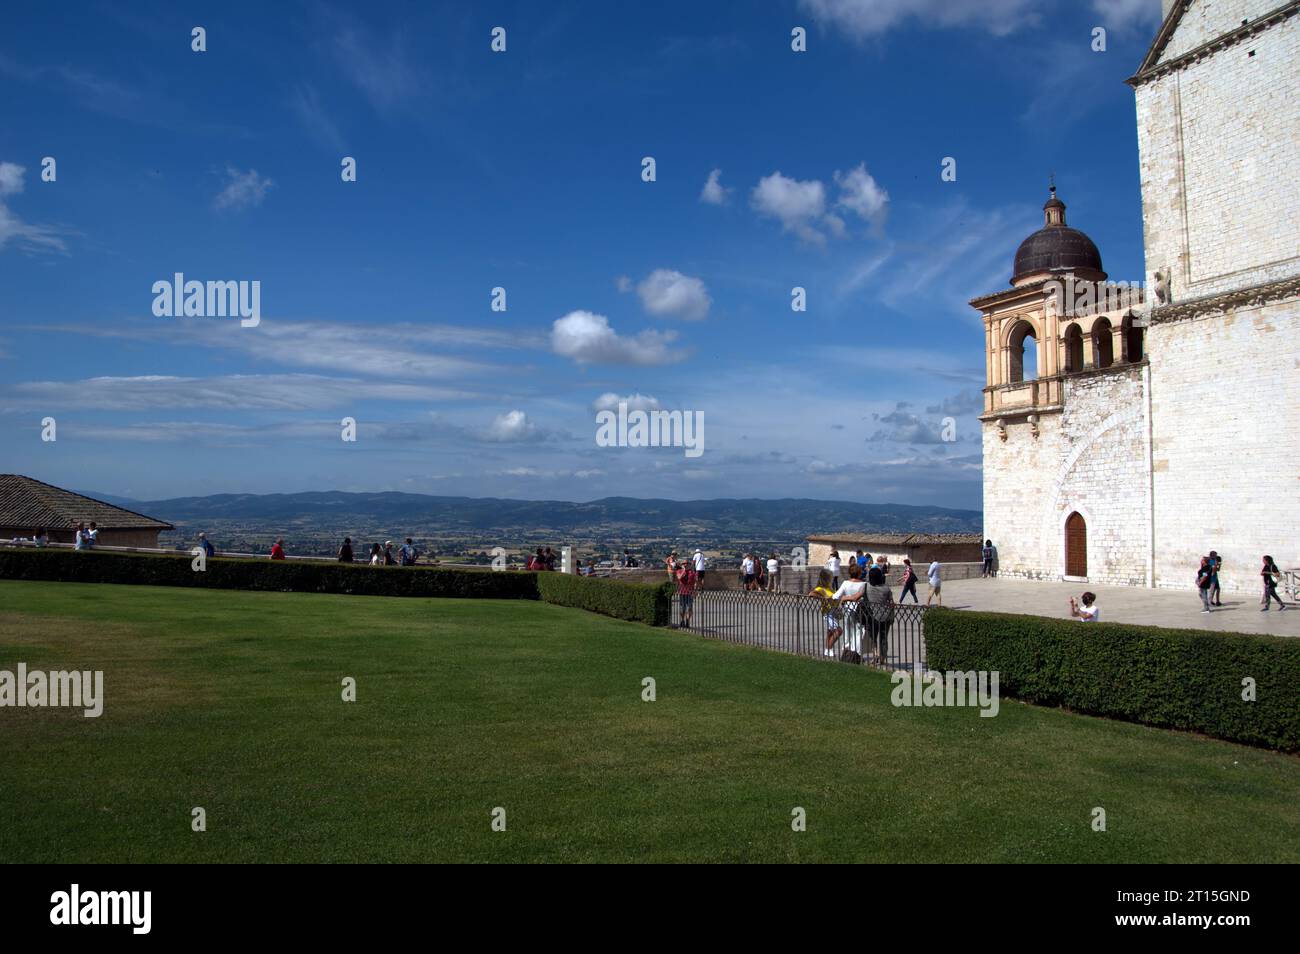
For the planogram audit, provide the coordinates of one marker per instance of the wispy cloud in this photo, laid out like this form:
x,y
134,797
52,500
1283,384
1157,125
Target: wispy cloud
x,y
863,19
243,190
24,235
306,104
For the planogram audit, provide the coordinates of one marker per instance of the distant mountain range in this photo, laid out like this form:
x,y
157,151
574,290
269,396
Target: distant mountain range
x,y
740,517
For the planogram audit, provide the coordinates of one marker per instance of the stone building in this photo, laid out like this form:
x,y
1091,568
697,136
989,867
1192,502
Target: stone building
x,y
920,548
28,505
1126,433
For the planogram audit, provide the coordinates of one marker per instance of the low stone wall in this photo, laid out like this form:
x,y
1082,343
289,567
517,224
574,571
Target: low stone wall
x,y
801,581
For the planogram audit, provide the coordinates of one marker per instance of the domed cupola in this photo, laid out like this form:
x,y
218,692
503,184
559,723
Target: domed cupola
x,y
1056,249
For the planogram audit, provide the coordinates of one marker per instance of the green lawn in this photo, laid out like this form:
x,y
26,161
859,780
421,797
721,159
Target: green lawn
x,y
231,701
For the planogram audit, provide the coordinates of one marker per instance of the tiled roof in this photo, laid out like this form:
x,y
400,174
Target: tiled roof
x,y
25,502
895,539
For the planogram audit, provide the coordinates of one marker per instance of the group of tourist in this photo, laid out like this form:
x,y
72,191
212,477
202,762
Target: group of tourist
x,y
408,554
1207,582
87,536
862,605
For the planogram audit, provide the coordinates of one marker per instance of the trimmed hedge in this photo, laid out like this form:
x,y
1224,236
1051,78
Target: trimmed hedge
x,y
1172,678
640,602
244,573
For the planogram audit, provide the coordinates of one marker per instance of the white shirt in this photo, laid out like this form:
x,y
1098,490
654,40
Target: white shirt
x,y
699,562
92,537
83,540
934,573
833,564
748,566
849,588
772,566
1089,614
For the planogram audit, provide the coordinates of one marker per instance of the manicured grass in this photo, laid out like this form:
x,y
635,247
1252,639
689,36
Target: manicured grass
x,y
231,701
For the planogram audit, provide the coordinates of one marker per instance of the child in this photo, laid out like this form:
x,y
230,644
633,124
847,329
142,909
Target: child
x,y
1088,612
830,610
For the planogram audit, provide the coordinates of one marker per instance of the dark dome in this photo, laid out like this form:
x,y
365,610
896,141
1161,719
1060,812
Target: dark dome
x,y
1056,247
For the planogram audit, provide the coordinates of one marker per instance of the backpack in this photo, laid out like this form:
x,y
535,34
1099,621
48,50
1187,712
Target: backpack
x,y
882,613
851,656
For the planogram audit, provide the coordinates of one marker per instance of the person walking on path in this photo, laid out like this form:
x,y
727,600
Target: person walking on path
x,y
936,583
1216,564
909,581
1204,581
1270,574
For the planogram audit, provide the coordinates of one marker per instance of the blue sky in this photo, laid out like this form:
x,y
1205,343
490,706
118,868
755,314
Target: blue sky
x,y
522,170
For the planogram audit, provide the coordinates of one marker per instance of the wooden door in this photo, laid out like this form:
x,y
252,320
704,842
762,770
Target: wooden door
x,y
1076,546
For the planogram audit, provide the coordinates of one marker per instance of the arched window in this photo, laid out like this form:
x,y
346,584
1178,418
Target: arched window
x,y
1022,349
1103,343
1073,348
1132,340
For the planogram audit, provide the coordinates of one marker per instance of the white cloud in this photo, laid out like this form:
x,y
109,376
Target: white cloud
x,y
281,392
609,401
862,19
513,427
862,195
714,192
31,238
242,190
800,206
669,293
1123,14
587,338
11,178
623,284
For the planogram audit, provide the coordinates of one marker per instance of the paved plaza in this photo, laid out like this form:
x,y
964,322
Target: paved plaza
x,y
1121,604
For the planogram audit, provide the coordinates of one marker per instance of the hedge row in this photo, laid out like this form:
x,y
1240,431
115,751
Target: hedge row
x,y
1173,678
639,602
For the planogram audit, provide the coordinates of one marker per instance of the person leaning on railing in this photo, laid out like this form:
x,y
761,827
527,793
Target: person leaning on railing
x,y
880,614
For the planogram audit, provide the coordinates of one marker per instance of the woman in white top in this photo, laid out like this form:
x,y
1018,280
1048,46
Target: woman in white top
x,y
848,593
833,565
773,573
1088,612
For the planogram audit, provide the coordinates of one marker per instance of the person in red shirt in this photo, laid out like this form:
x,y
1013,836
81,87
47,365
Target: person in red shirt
x,y
277,549
687,580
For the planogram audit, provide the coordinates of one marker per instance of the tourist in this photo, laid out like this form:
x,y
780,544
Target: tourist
x,y
1216,564
206,546
345,551
537,561
748,571
671,564
986,555
936,583
830,610
883,563
376,555
773,573
82,542
687,581
409,553
629,561
833,565
909,581
389,558
1270,574
1088,611
700,565
92,536
1204,581
880,614
550,559
863,560
39,538
850,592
277,549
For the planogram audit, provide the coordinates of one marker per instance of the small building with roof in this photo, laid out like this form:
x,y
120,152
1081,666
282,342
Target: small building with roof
x,y
28,505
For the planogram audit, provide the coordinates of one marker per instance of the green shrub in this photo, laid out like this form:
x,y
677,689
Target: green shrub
x,y
640,602
230,573
1180,679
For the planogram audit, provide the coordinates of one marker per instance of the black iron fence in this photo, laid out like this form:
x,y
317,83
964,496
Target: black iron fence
x,y
890,638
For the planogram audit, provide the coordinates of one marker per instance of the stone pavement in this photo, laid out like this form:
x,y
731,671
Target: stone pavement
x,y
1120,604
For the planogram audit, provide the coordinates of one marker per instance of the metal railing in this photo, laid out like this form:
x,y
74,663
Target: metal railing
x,y
793,623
